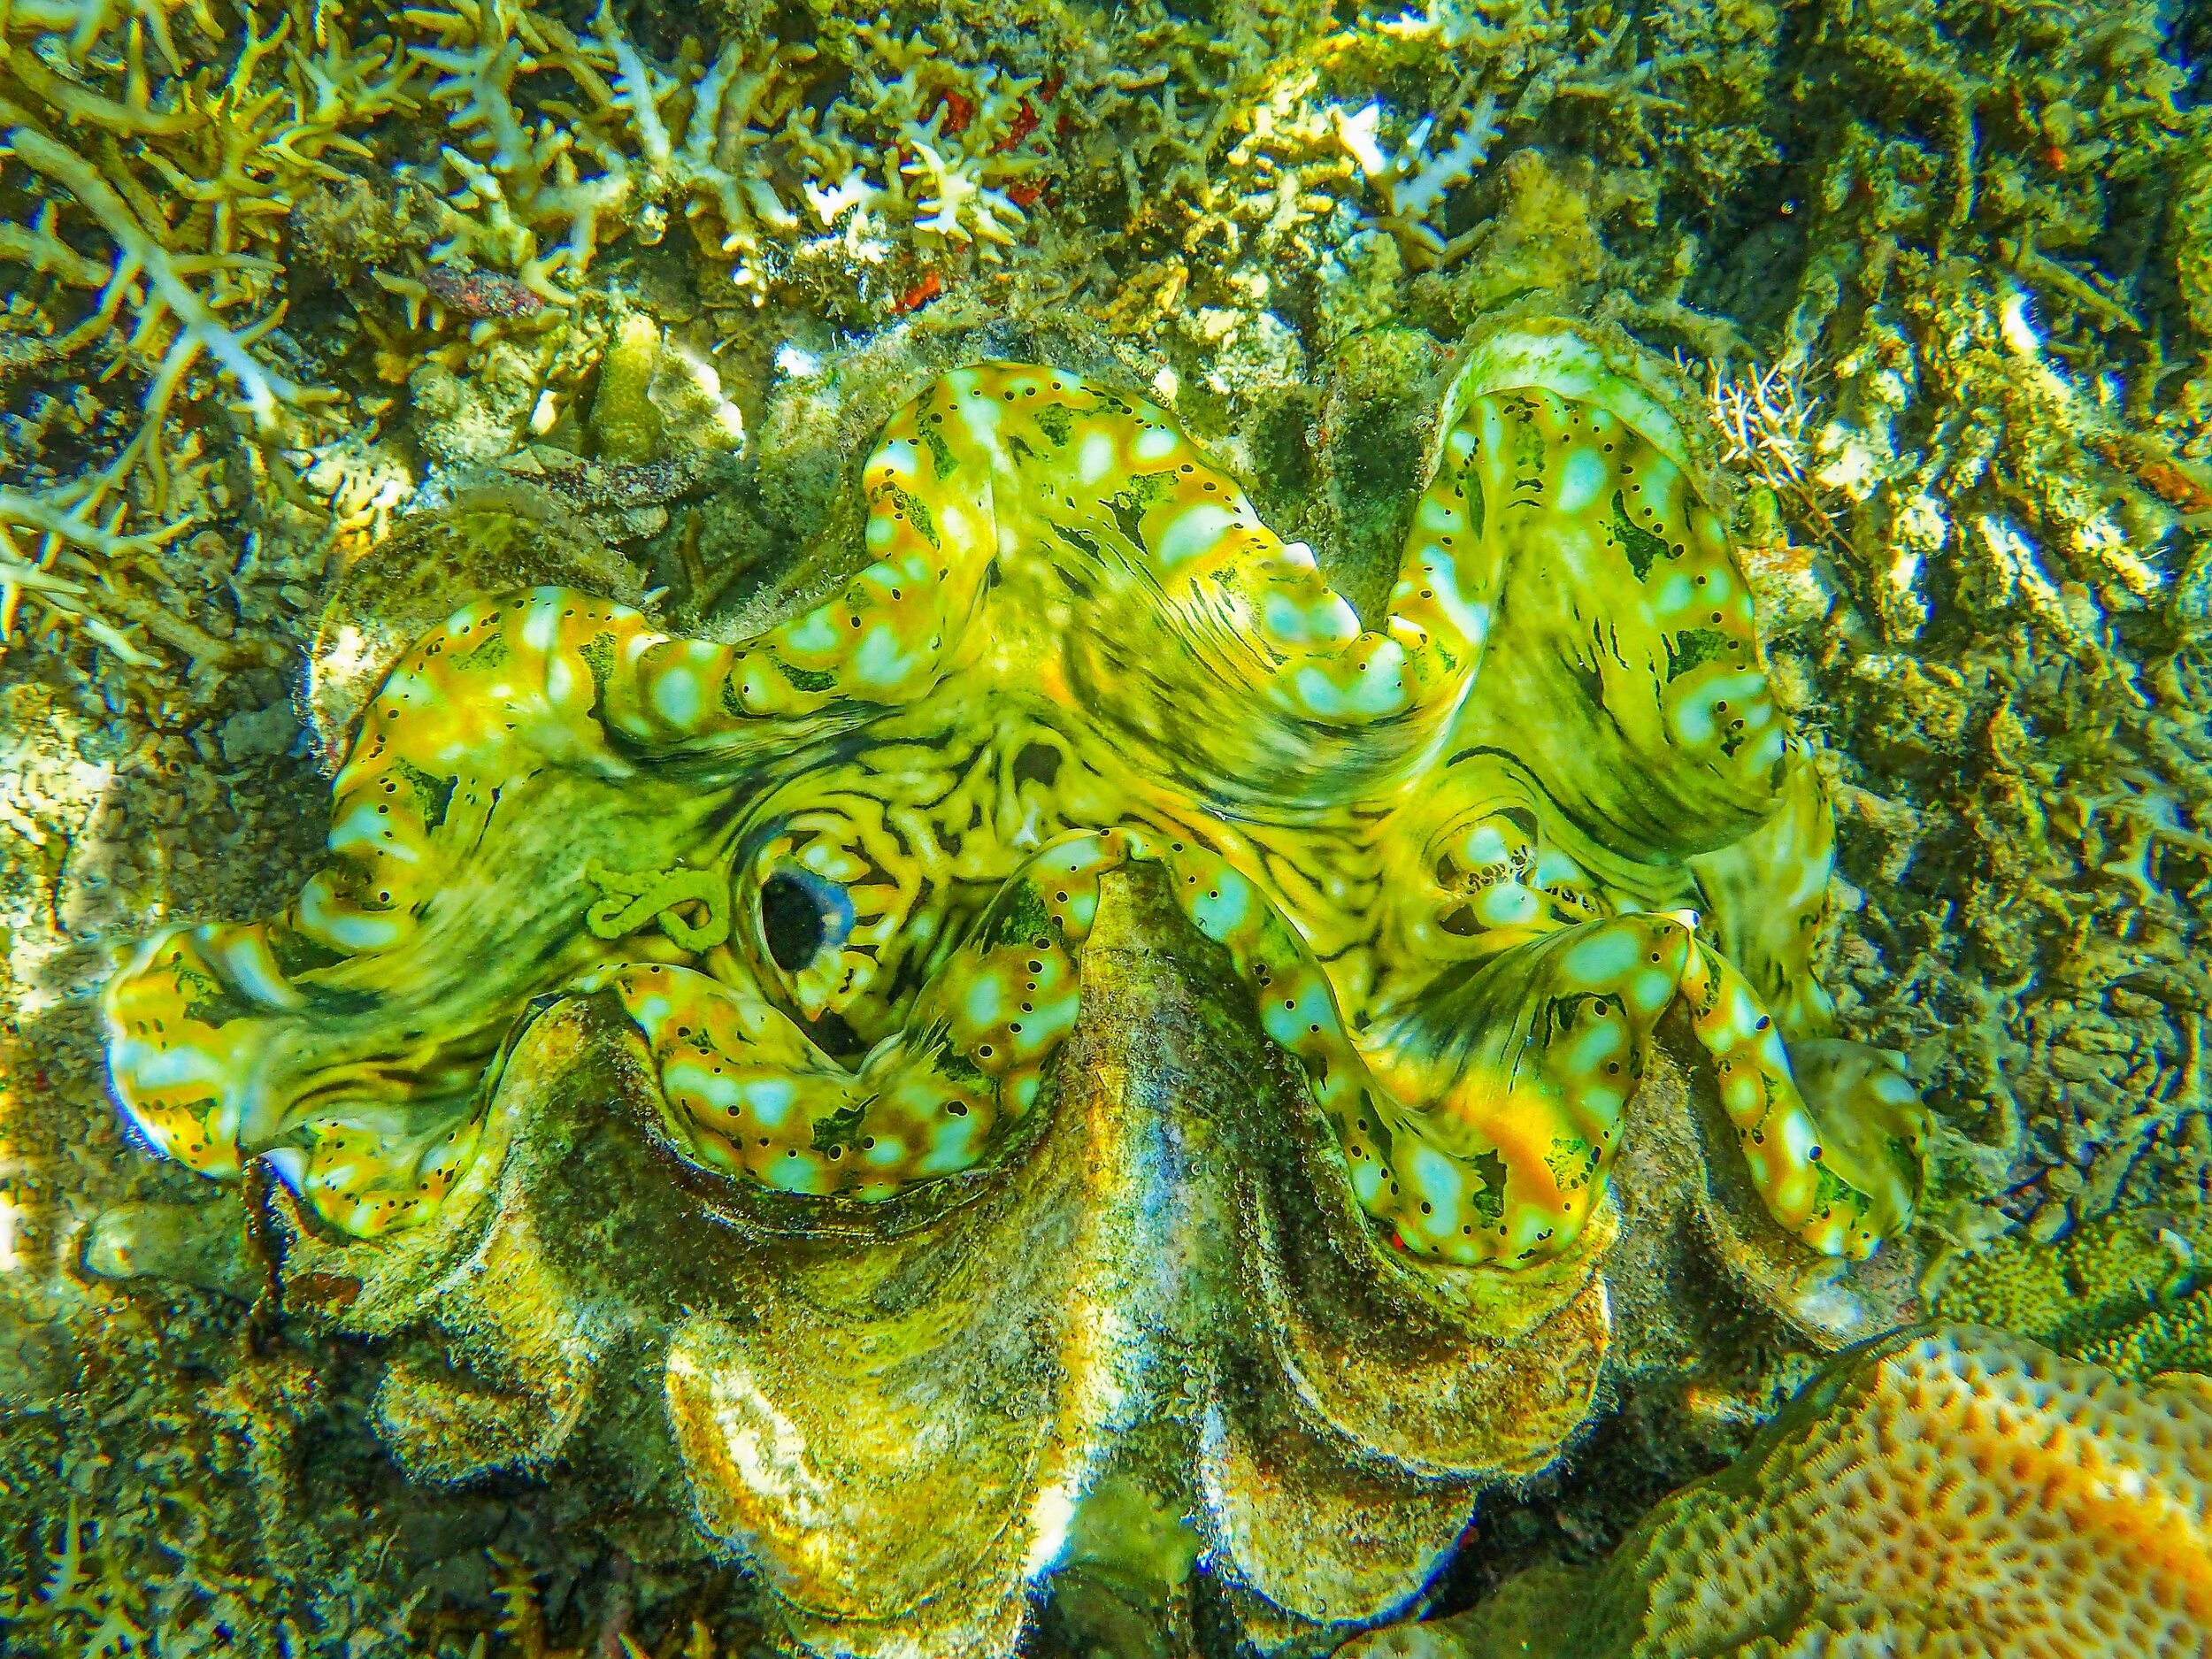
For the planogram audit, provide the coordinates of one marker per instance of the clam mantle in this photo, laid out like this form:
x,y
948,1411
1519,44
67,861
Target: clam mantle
x,y
840,874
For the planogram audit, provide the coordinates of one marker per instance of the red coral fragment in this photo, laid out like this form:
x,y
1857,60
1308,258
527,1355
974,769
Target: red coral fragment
x,y
920,294
2177,485
480,293
958,112
1024,122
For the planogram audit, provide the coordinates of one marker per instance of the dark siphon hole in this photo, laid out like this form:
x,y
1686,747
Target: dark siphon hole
x,y
791,922
1037,762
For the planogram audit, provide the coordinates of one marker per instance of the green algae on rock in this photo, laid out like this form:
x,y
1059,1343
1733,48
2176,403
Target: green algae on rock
x,y
2125,1292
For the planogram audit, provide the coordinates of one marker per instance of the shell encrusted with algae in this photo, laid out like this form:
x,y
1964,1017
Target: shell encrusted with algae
x,y
840,875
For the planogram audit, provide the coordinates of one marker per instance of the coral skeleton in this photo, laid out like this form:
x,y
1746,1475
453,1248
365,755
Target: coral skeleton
x,y
1767,419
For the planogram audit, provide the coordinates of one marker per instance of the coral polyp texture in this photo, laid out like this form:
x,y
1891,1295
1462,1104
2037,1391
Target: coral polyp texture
x,y
1959,1491
840,874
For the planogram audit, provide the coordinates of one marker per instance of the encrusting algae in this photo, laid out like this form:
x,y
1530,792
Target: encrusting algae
x,y
2125,1292
321,324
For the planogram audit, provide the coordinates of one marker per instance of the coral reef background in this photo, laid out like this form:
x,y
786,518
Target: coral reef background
x,y
278,276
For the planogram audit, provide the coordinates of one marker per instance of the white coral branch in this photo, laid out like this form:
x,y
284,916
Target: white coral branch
x,y
1411,183
1413,196
199,328
639,88
954,203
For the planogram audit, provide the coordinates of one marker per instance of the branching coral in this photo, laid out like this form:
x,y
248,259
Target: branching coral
x,y
961,151
87,1596
1523,67
2070,808
804,160
1766,418
184,173
518,175
875,166
1410,184
2009,454
538,183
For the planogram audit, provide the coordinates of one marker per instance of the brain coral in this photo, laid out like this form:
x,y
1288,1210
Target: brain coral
x,y
1953,1490
2125,1292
